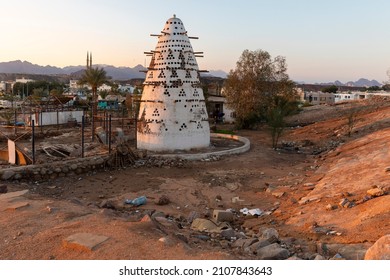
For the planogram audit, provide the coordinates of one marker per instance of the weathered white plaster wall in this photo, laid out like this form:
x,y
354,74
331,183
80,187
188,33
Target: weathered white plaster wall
x,y
51,118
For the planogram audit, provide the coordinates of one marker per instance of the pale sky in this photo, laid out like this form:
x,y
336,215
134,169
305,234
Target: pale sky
x,y
321,40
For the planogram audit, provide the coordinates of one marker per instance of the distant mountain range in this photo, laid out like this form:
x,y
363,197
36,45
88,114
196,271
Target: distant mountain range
x,y
116,73
359,83
127,73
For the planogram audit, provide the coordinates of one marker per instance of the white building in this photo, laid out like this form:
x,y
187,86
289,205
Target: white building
x,y
24,81
345,96
319,97
218,105
104,87
173,113
358,95
74,84
126,89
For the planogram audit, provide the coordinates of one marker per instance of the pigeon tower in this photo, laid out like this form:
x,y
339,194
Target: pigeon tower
x,y
173,113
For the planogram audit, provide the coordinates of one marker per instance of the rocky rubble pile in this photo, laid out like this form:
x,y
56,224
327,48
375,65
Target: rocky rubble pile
x,y
224,229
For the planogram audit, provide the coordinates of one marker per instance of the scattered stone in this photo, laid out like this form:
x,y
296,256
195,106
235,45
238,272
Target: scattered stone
x,y
380,250
241,235
233,186
294,258
278,194
243,243
163,200
237,199
228,234
17,206
269,233
146,219
11,195
218,198
262,242
76,201
107,204
353,251
73,167
222,216
165,222
345,203
375,192
7,174
387,169
319,258
3,189
167,241
192,216
305,199
277,212
202,237
84,241
270,189
337,257
158,214
224,244
181,237
330,207
51,209
272,252
309,186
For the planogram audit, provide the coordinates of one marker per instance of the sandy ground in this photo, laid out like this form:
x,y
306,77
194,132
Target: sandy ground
x,y
318,166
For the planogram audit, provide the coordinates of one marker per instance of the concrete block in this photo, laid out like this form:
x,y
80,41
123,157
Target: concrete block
x,y
84,241
222,216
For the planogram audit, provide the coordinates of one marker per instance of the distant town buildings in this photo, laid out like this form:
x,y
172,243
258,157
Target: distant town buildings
x,y
321,98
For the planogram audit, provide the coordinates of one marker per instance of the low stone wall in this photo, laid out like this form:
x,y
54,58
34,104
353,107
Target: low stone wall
x,y
50,171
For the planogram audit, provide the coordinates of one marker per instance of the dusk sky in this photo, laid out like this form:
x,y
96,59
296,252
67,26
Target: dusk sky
x,y
321,40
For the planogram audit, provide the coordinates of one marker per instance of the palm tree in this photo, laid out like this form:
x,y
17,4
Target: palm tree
x,y
95,77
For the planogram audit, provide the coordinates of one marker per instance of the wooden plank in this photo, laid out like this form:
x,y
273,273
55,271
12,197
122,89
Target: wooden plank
x,y
11,152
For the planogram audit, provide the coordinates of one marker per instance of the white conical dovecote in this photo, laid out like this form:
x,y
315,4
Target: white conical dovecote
x,y
173,113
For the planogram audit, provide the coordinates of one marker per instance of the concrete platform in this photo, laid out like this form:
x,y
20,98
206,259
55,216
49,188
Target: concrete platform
x,y
203,155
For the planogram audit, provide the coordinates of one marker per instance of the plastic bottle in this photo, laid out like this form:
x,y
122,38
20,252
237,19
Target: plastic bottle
x,y
137,202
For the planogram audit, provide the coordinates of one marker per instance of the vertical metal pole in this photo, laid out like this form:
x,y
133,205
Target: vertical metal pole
x,y
58,121
33,141
135,132
123,115
82,136
109,134
15,119
93,123
104,121
41,122
105,126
